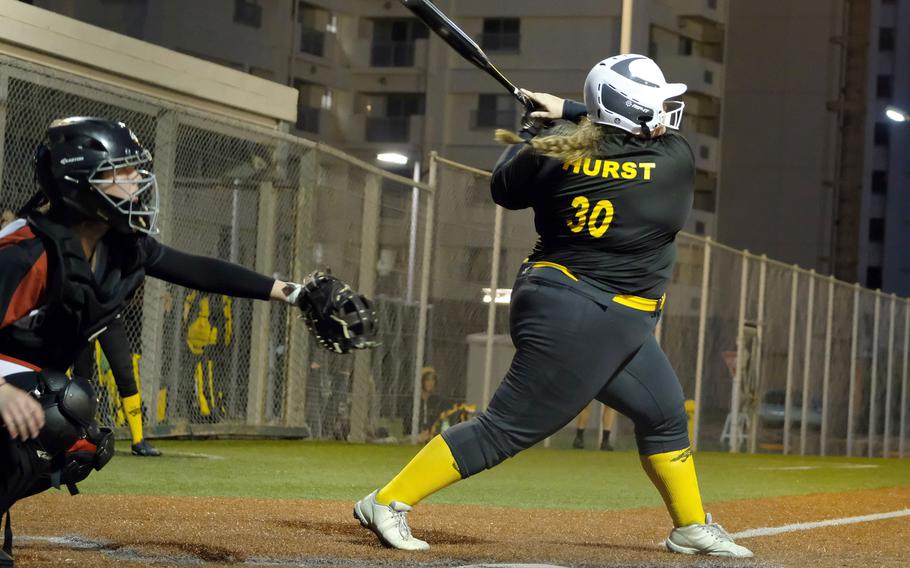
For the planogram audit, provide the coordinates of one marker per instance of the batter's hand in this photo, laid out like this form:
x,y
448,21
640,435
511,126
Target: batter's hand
x,y
19,412
550,105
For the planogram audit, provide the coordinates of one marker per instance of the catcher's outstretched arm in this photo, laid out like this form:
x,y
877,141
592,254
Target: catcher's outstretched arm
x,y
206,274
339,318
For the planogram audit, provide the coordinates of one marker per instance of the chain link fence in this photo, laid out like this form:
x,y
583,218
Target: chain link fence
x,y
773,358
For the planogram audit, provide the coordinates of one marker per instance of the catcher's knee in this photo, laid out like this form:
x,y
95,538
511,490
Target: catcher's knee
x,y
666,434
480,444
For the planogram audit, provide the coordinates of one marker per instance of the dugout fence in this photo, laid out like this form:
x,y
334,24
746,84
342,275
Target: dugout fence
x,y
775,358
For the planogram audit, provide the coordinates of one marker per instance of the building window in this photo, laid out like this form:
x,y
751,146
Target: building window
x,y
248,13
308,119
393,41
882,134
495,111
313,23
880,182
886,39
310,102
404,104
874,277
712,4
709,76
685,46
390,117
883,86
699,227
704,152
877,229
501,34
312,41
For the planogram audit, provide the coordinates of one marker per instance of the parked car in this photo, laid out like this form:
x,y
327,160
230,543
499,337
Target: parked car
x,y
772,410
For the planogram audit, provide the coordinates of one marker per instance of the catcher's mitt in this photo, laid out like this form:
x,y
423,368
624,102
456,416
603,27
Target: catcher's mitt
x,y
339,318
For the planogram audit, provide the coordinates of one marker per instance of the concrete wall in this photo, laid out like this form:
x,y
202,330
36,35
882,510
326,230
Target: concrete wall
x,y
778,142
41,35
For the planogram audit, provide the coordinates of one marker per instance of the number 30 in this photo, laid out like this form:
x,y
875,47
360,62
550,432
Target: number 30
x,y
596,227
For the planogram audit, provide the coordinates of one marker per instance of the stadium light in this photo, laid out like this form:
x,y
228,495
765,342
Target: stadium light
x,y
399,159
896,114
392,158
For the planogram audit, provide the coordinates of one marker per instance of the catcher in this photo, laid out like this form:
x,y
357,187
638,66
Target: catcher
x,y
83,246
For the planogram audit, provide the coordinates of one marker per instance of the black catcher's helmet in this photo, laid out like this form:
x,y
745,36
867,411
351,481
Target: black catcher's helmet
x,y
69,166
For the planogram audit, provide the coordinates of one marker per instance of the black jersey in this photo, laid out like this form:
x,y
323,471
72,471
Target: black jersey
x,y
611,218
52,301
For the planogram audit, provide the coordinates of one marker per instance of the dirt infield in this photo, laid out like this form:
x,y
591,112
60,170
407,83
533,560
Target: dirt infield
x,y
107,531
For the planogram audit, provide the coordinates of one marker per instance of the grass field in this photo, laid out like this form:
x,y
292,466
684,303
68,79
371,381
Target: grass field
x,y
539,478
287,503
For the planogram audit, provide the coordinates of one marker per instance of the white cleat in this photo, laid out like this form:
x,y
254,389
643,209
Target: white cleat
x,y
709,538
389,522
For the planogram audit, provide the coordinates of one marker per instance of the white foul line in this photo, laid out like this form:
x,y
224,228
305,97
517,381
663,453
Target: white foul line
x,y
827,466
768,531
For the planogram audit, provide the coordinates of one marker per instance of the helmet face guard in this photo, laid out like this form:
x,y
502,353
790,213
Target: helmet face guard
x,y
671,115
83,158
140,209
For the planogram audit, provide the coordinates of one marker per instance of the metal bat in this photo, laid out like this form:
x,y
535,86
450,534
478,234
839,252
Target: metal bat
x,y
442,26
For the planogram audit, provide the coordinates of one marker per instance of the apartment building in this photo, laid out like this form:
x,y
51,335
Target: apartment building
x,y
884,225
784,110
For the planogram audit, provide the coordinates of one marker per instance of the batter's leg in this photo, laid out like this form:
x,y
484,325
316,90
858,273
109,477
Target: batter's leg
x,y
648,392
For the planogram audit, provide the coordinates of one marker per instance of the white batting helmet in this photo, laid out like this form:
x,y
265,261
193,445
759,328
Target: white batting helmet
x,y
630,92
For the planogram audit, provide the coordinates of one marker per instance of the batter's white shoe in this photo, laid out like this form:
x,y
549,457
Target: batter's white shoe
x,y
709,538
389,522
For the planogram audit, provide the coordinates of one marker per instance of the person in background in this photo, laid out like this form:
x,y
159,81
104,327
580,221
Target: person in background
x,y
116,347
429,403
608,420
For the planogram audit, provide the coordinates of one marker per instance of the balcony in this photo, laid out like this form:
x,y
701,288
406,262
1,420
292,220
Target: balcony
x,y
392,54
702,31
701,222
711,11
706,150
702,106
700,74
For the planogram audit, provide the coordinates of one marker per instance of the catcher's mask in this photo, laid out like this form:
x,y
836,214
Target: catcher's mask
x,y
81,157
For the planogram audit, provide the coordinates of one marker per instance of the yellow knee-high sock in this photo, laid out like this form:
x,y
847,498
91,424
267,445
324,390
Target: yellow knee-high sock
x,y
432,469
673,473
132,409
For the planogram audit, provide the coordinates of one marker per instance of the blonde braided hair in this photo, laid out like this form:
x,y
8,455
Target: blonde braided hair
x,y
568,143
